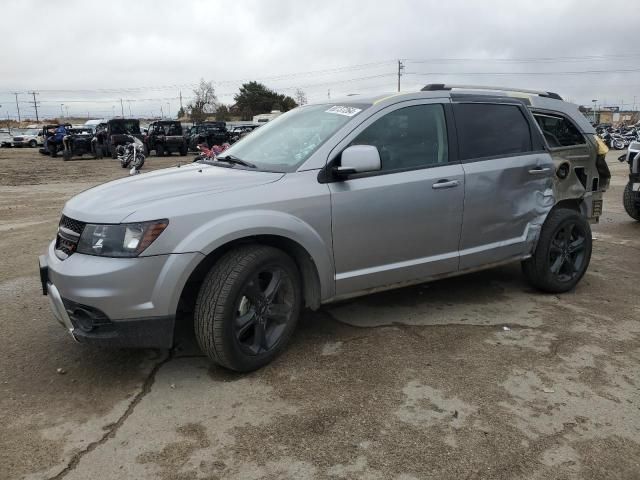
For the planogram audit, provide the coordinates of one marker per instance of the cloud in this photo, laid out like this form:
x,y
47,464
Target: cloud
x,y
94,54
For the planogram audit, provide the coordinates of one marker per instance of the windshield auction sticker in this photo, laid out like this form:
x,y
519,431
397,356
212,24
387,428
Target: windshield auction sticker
x,y
342,110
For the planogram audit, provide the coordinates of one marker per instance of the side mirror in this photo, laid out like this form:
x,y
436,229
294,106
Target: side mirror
x,y
358,159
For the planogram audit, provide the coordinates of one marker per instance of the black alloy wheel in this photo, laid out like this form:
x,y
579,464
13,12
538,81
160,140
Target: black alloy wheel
x,y
264,309
567,252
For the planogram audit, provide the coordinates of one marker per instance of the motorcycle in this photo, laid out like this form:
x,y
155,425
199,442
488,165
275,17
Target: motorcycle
x,y
131,154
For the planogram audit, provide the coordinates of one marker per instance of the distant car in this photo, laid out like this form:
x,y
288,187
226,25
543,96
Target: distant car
x,y
77,142
45,132
209,133
238,131
27,138
6,139
119,131
165,137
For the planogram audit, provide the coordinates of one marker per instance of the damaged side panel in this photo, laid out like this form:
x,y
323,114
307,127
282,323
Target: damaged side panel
x,y
506,203
581,173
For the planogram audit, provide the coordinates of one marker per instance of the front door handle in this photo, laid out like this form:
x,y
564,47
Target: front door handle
x,y
444,183
539,170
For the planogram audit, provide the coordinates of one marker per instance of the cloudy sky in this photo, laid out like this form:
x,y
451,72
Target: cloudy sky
x,y
83,57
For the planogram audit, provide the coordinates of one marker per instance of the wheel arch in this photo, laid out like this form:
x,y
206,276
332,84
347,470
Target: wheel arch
x,y
577,204
311,283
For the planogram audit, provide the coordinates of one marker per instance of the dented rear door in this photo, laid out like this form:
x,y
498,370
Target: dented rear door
x,y
508,182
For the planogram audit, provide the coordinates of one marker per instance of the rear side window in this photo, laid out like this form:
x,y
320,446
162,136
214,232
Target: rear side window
x,y
558,131
490,130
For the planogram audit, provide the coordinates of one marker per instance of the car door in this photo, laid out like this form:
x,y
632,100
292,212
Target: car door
x,y
508,181
402,223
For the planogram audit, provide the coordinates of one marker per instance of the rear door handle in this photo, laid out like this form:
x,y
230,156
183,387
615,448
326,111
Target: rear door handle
x,y
539,170
444,183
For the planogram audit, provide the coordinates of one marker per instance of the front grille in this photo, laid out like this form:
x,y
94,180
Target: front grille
x,y
74,225
69,231
17,139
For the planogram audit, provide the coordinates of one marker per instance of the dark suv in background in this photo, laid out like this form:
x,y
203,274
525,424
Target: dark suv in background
x,y
208,133
165,137
118,131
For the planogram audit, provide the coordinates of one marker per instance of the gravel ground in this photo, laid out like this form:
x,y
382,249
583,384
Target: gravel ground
x,y
418,383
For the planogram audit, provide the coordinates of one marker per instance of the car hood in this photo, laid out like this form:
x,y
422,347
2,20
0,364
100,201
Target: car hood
x,y
114,201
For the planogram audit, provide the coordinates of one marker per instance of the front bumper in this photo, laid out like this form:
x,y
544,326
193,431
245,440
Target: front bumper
x,y
116,302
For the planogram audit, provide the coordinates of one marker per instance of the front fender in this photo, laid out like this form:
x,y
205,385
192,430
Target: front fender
x,y
237,225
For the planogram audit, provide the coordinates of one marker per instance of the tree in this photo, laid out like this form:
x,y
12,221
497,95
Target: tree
x,y
300,96
204,102
222,113
256,98
181,112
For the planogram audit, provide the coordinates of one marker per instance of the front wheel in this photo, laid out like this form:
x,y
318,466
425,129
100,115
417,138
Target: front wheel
x,y
159,150
562,254
631,201
248,307
33,144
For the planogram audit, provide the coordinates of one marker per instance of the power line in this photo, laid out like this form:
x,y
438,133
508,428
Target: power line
x,y
581,72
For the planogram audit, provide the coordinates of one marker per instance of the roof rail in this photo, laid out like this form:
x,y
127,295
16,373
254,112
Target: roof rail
x,y
442,86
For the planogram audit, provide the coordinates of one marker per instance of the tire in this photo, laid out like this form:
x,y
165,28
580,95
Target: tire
x,y
33,144
66,155
159,150
630,201
183,151
559,248
226,296
618,144
112,151
138,162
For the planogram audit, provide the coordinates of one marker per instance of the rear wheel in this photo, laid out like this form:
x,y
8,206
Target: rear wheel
x,y
563,252
183,150
112,150
631,200
159,150
66,155
248,307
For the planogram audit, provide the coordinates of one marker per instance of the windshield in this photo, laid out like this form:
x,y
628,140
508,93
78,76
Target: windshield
x,y
283,144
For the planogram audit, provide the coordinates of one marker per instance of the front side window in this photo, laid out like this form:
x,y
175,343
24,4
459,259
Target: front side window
x,y
285,143
491,130
558,131
407,138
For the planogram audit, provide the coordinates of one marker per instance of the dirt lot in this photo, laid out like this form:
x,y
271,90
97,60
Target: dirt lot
x,y
423,382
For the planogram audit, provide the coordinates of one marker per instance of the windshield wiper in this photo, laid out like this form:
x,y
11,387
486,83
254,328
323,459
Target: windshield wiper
x,y
236,160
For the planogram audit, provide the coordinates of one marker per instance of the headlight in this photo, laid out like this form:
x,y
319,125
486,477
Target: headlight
x,y
122,240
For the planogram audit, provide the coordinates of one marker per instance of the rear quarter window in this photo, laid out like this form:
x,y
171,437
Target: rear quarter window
x,y
558,131
491,130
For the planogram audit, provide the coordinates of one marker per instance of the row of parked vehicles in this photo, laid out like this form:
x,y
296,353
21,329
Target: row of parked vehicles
x,y
618,138
161,138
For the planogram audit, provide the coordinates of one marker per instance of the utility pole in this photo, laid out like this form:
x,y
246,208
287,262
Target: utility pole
x,y
35,105
181,101
400,70
161,112
17,106
61,110
121,108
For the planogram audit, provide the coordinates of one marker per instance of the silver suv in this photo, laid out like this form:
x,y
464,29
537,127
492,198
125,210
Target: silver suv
x,y
329,201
